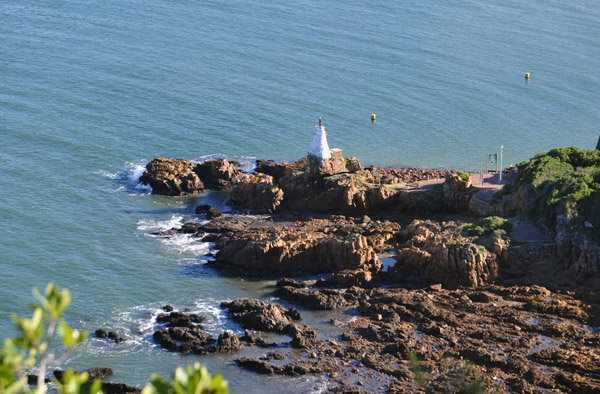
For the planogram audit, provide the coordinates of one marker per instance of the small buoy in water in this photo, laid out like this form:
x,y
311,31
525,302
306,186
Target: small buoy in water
x,y
373,117
527,76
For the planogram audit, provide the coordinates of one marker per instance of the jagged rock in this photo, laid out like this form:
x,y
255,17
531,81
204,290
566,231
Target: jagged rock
x,y
347,278
218,174
458,193
259,315
334,165
407,175
190,228
279,170
296,368
191,338
442,255
303,337
180,319
317,299
255,339
226,343
183,332
269,252
228,224
101,333
172,177
257,193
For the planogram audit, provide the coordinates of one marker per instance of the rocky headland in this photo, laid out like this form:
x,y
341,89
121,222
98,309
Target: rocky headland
x,y
462,307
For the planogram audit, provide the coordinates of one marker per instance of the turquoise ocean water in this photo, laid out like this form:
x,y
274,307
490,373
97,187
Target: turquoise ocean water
x,y
92,90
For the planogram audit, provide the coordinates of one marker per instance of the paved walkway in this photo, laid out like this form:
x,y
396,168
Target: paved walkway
x,y
491,184
525,231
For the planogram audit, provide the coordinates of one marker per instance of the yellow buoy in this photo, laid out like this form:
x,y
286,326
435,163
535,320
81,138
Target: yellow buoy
x,y
527,76
373,117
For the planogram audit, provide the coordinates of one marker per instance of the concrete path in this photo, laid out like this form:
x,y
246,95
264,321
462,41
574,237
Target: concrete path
x,y
525,231
491,184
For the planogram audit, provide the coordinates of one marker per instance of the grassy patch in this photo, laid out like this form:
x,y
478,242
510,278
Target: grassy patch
x,y
490,225
464,176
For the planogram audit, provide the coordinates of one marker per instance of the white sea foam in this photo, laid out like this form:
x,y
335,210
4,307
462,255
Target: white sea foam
x,y
139,323
107,174
128,179
157,225
247,163
187,243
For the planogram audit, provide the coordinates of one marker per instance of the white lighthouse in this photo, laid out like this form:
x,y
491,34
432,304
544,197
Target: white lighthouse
x,y
319,148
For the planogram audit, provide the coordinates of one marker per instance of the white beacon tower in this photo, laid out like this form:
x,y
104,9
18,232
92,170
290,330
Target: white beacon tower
x,y
319,147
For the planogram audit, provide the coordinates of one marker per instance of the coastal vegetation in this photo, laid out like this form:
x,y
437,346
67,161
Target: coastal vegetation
x,y
561,182
32,350
495,225
464,176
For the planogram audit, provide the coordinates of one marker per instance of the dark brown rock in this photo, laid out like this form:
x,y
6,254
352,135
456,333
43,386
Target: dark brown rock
x,y
259,315
301,367
213,213
218,174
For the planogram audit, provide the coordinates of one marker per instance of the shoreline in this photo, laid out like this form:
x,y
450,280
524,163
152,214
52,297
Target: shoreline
x,y
272,241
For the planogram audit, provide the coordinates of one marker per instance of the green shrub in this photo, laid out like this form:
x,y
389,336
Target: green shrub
x,y
463,175
489,225
30,350
567,182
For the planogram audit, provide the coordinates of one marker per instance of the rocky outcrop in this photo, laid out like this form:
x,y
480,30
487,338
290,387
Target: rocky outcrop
x,y
178,177
483,208
296,245
172,177
325,299
218,174
577,251
340,192
295,368
262,316
458,193
280,170
101,333
332,166
283,251
406,175
438,253
257,193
